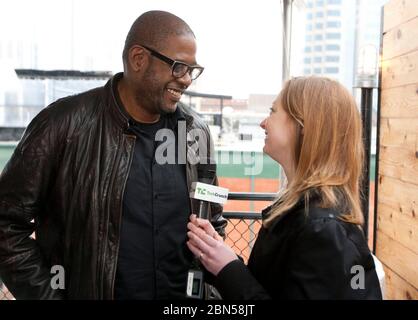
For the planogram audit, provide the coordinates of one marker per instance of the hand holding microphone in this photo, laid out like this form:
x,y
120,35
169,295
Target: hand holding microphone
x,y
205,192
206,244
204,189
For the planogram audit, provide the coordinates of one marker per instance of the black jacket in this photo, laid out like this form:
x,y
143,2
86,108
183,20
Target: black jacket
x,y
303,256
65,182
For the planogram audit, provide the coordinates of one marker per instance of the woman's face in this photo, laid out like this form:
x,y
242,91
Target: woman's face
x,y
280,129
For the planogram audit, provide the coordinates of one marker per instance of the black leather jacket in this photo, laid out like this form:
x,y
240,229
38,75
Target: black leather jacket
x,y
65,182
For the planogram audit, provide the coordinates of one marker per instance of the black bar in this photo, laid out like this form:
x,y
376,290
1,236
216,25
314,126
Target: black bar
x,y
62,74
222,111
206,95
255,196
250,215
366,116
376,177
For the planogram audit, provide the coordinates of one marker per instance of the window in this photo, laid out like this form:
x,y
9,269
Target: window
x,y
333,13
307,71
318,59
319,2
332,59
309,16
331,70
308,37
334,1
318,37
319,25
333,36
308,49
309,27
307,60
317,48
332,47
317,71
333,24
319,14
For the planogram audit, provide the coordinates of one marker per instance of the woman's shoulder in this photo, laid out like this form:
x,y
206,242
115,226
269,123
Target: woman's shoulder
x,y
325,220
324,225
315,221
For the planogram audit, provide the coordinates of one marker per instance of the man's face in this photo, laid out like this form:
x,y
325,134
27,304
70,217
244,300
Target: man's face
x,y
160,91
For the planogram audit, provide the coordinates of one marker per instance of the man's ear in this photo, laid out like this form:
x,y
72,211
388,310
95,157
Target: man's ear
x,y
137,58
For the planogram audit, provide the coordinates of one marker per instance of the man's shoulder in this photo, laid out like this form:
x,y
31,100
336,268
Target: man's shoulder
x,y
192,116
83,102
69,115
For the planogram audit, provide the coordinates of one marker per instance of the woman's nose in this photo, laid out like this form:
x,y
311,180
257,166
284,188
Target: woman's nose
x,y
263,124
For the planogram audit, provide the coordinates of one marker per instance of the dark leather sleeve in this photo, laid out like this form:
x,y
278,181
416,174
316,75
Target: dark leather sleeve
x,y
217,219
24,185
235,282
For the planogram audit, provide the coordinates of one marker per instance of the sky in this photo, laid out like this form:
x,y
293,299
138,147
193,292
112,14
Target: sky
x,y
239,42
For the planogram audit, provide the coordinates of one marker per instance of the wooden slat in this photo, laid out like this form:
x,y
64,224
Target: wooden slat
x,y
397,257
399,194
399,163
401,102
397,288
401,40
397,221
397,12
400,133
400,71
398,226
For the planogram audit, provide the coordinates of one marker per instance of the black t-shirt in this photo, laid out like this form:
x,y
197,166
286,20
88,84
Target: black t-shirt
x,y
153,259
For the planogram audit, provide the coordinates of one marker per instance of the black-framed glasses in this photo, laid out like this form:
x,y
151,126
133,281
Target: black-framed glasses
x,y
178,68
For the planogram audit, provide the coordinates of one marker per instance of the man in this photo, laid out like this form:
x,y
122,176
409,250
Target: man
x,y
86,178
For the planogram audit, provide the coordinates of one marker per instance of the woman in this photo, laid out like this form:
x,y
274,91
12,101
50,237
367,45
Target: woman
x,y
311,245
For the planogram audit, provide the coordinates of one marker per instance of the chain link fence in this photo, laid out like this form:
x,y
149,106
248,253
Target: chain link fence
x,y
241,233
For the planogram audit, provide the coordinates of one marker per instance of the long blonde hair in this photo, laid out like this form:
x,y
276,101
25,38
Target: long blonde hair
x,y
329,151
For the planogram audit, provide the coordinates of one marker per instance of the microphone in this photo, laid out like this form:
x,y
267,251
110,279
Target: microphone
x,y
205,191
206,173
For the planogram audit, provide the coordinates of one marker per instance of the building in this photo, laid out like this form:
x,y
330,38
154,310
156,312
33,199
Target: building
x,y
336,33
261,103
25,92
330,39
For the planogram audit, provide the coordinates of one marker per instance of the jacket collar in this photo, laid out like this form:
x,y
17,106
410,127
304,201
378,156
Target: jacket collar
x,y
116,109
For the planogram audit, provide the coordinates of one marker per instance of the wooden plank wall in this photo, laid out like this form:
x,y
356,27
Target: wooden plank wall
x,y
397,210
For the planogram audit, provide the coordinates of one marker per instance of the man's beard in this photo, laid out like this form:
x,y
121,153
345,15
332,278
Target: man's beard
x,y
153,98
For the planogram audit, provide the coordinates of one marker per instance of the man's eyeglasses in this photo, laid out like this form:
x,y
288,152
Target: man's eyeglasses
x,y
178,68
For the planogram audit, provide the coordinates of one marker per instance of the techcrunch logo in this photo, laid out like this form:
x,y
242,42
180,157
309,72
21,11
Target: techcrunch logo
x,y
208,192
204,192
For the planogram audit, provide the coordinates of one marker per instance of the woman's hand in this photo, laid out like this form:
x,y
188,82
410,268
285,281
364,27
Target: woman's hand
x,y
208,246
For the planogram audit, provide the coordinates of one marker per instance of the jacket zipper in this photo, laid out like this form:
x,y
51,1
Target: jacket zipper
x,y
120,217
